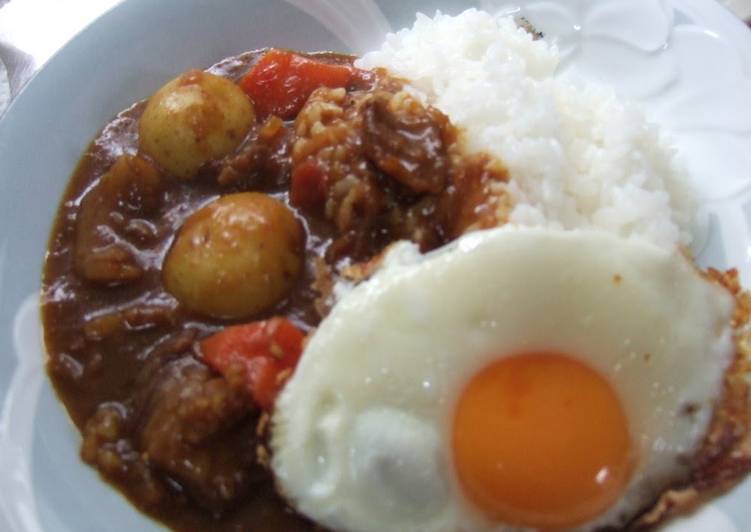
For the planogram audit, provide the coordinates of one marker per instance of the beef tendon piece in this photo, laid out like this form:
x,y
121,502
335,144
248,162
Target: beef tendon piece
x,y
190,430
263,161
382,166
131,189
407,141
106,446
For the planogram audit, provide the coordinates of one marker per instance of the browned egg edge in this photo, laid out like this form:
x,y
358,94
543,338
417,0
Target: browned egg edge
x,y
724,458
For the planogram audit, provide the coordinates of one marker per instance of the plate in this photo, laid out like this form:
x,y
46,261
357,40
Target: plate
x,y
687,61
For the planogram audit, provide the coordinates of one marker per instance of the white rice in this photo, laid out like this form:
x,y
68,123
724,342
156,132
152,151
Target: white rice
x,y
578,156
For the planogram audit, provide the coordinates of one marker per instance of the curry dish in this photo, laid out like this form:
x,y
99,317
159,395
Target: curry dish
x,y
201,241
220,213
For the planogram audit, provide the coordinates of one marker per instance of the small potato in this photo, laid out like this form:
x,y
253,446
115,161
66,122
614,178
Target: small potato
x,y
235,257
193,119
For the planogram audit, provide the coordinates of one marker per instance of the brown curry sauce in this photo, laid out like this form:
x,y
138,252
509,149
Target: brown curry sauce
x,y
122,356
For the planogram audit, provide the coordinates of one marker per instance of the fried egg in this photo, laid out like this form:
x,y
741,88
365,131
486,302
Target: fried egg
x,y
518,378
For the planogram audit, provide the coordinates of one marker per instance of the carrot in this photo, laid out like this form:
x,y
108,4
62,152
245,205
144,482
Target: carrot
x,y
308,185
280,81
265,351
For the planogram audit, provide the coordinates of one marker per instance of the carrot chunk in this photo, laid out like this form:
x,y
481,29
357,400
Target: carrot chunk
x,y
281,81
266,352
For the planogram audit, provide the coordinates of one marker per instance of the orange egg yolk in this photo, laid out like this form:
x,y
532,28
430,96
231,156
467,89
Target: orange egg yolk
x,y
541,440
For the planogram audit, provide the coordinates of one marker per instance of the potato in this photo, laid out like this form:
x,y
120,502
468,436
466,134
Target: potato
x,y
193,119
235,257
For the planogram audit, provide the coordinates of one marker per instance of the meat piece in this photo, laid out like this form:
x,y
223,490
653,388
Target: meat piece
x,y
106,446
263,159
112,263
185,423
407,141
131,189
381,166
135,316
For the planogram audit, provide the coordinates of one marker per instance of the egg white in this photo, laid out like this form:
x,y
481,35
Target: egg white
x,y
361,435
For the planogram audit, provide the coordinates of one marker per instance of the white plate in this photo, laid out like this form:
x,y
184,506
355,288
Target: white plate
x,y
688,61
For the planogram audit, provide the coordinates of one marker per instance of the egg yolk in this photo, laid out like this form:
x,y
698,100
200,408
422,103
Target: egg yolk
x,y
541,440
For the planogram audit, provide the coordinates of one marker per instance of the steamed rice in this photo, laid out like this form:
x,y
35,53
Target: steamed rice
x,y
578,156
